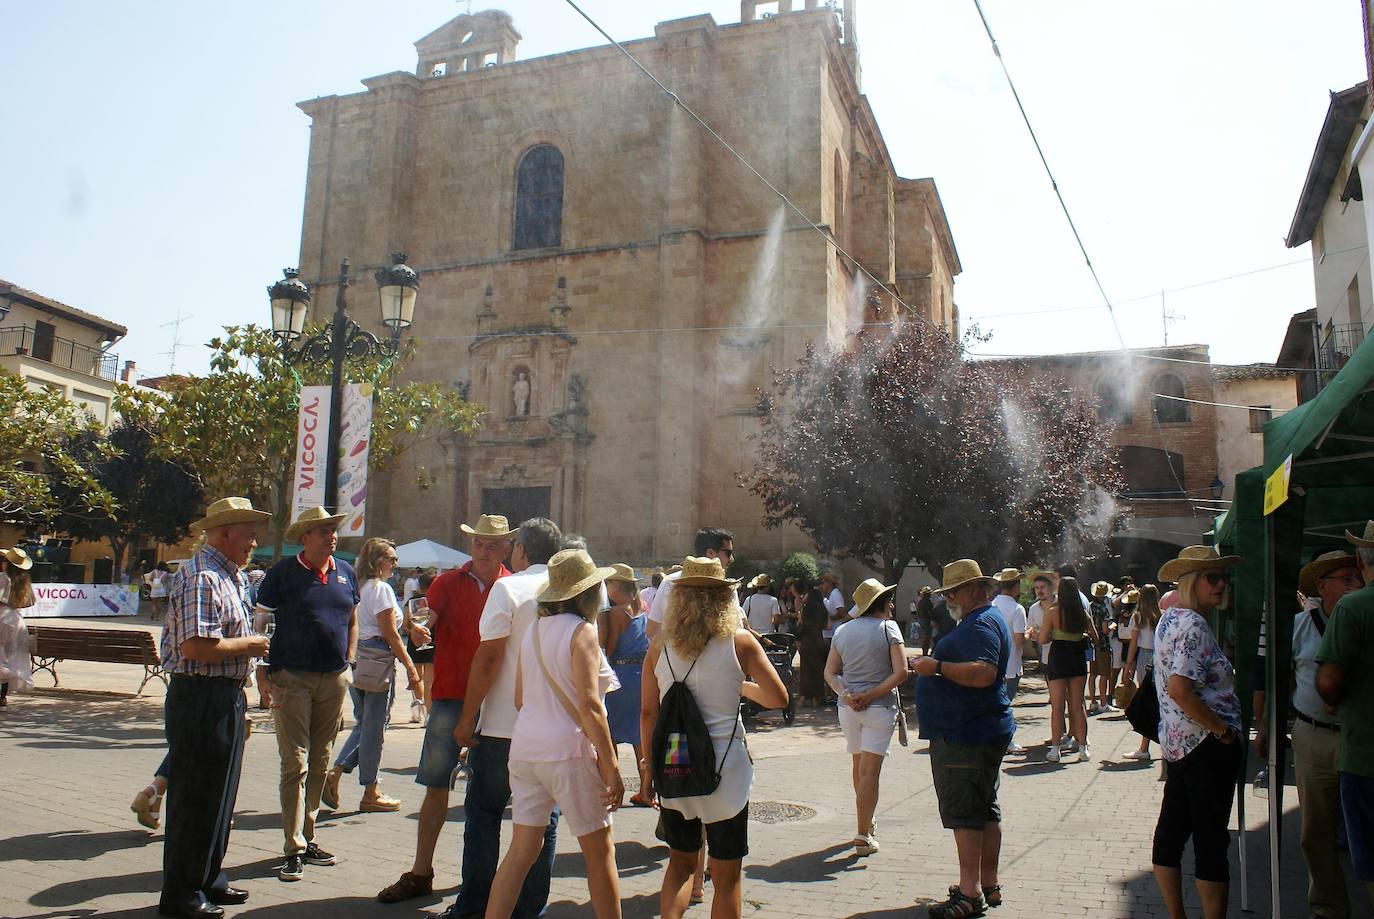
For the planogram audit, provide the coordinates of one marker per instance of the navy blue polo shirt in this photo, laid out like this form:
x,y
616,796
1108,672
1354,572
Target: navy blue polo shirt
x,y
313,611
962,714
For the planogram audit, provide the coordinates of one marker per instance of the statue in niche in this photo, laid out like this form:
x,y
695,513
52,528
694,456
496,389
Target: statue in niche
x,y
520,392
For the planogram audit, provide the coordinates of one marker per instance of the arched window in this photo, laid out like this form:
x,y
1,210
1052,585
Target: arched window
x,y
539,198
1112,402
1170,409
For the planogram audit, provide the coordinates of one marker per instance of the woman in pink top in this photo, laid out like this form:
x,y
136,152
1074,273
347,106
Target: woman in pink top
x,y
561,751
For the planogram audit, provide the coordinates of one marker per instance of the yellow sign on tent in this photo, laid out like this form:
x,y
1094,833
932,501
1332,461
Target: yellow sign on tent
x,y
1276,486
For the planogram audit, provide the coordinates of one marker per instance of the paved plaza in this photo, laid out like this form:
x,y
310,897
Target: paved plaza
x,y
1077,835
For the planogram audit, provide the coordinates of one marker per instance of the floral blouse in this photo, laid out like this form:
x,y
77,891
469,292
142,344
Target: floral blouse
x,y
1185,646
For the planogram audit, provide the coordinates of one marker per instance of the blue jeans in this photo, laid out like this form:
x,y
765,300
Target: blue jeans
x,y
371,713
488,793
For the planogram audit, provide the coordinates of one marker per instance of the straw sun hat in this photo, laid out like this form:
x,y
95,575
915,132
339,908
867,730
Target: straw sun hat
x,y
1321,566
229,511
571,572
869,592
1101,589
1367,542
1193,559
18,558
623,572
488,525
704,572
311,518
957,574
1007,575
760,581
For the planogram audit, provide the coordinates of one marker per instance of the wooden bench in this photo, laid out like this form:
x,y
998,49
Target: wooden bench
x,y
50,644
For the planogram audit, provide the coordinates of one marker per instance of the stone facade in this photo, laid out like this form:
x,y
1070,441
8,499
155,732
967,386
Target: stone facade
x,y
1240,431
579,233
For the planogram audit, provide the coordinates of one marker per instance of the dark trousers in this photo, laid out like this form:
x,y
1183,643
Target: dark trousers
x,y
488,793
1198,791
205,732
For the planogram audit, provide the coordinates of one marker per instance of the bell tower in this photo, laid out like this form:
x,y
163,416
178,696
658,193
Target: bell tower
x,y
469,42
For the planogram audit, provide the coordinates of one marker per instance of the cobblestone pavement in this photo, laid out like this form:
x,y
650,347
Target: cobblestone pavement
x,y
1077,837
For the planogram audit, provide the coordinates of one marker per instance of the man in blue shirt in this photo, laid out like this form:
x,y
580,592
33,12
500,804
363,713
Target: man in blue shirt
x,y
313,596
962,706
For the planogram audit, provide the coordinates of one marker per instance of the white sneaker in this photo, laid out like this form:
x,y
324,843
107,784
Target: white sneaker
x,y
1085,754
1015,749
1052,755
1139,754
865,845
417,711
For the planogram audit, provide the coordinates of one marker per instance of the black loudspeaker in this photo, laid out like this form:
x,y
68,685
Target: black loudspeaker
x,y
69,573
42,573
102,571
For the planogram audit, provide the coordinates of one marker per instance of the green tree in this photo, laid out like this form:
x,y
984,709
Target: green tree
x,y
153,496
37,427
801,566
898,450
235,427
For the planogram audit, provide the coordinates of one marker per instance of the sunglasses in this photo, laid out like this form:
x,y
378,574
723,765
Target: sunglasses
x,y
389,558
1216,577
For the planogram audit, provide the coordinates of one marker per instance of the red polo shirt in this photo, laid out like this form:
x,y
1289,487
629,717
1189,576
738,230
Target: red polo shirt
x,y
458,597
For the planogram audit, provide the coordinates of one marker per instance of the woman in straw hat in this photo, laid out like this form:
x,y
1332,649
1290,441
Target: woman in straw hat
x,y
1199,731
703,645
561,752
866,665
16,593
625,641
379,622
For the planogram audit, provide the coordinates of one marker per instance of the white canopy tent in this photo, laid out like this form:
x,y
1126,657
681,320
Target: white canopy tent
x,y
426,553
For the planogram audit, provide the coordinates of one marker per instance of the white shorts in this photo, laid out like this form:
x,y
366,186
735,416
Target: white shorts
x,y
574,785
1117,651
868,731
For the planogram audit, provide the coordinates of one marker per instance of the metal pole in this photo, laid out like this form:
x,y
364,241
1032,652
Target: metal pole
x,y
1240,824
1271,712
338,349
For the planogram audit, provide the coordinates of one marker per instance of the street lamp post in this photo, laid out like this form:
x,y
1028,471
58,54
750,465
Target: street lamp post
x,y
344,340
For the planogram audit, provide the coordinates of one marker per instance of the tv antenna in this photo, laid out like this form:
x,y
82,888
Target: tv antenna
x,y
1167,317
176,341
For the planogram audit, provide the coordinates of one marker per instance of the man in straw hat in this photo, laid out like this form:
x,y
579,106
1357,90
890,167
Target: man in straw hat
x,y
1317,731
455,599
208,647
761,608
962,707
1345,680
1007,603
510,609
312,596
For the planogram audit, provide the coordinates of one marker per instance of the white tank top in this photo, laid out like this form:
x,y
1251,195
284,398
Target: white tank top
x,y
715,683
544,733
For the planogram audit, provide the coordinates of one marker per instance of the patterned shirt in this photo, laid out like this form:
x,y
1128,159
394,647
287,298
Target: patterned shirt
x,y
1185,646
207,599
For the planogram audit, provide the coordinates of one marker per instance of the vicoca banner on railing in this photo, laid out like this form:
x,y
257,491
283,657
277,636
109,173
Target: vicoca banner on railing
x,y
312,440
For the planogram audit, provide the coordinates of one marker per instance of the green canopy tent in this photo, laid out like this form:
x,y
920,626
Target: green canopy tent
x,y
1329,441
263,554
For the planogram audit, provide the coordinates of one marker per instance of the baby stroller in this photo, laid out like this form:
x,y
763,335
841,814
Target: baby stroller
x,y
779,646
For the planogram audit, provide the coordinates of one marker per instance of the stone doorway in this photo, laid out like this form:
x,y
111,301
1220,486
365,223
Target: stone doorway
x,y
517,504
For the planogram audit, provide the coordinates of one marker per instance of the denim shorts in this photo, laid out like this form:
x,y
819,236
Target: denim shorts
x,y
1357,800
439,752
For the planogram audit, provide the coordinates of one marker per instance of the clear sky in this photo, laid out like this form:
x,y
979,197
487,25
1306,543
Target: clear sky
x,y
154,163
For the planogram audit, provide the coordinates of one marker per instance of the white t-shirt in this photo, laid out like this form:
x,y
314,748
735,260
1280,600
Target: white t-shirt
x,y
410,588
646,596
659,606
509,611
374,597
760,609
1036,620
1015,617
833,604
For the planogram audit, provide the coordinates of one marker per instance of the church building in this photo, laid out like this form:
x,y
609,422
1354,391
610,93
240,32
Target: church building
x,y
607,279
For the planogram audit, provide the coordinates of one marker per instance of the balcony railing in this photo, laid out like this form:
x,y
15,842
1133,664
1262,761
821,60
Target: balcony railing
x,y
1340,343
62,352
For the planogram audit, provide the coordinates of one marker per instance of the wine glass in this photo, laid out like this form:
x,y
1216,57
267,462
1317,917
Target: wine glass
x,y
419,615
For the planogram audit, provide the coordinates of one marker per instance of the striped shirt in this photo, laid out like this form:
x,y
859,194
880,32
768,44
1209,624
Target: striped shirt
x,y
207,599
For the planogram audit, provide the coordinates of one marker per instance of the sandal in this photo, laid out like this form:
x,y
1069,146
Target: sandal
x,y
329,794
637,801
993,895
146,806
410,885
957,906
698,896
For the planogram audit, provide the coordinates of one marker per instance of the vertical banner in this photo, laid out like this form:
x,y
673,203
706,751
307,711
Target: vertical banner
x,y
312,439
354,439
